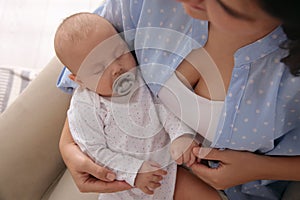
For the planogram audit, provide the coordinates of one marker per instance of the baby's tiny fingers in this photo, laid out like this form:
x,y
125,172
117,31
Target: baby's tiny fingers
x,y
153,185
192,160
157,178
146,190
160,172
179,161
186,157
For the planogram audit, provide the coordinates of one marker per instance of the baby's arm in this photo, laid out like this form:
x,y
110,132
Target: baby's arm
x,y
182,137
87,130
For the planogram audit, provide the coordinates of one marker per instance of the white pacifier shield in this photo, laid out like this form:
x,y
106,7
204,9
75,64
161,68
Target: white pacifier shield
x,y
123,84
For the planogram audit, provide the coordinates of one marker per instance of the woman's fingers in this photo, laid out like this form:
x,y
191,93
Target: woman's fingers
x,y
200,169
207,153
96,185
100,172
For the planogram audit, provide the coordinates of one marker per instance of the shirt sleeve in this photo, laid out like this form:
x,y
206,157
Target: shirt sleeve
x,y
172,124
87,129
64,83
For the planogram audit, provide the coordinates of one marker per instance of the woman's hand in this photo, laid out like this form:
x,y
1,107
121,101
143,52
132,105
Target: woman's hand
x,y
239,167
235,167
88,176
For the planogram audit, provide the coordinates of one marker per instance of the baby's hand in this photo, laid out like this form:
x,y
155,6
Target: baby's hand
x,y
181,150
149,176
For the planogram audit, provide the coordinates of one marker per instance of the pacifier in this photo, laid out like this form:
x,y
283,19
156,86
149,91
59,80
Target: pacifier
x,y
123,84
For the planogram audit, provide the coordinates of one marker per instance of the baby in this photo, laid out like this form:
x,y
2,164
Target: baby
x,y
113,116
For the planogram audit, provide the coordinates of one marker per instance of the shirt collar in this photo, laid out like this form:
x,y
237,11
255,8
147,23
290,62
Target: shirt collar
x,y
260,48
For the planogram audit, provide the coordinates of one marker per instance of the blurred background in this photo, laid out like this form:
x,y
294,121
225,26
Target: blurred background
x,y
27,29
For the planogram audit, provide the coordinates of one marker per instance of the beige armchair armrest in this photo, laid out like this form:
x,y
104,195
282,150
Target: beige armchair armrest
x,y
29,134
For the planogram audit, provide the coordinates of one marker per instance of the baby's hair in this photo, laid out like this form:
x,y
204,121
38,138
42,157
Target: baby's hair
x,y
74,29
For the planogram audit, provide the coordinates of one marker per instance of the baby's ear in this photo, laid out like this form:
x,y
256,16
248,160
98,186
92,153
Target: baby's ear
x,y
72,77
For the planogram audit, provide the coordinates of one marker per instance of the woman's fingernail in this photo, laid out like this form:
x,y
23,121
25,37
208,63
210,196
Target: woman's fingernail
x,y
110,176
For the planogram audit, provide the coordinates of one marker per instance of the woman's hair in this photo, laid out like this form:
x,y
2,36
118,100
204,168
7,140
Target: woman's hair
x,y
288,12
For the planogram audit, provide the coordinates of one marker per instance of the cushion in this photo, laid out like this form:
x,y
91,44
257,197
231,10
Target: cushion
x,y
30,129
13,80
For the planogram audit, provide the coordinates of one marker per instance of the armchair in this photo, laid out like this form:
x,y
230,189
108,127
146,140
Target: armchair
x,y
31,166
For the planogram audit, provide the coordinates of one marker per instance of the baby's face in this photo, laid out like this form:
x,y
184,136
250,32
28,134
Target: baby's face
x,y
121,64
104,64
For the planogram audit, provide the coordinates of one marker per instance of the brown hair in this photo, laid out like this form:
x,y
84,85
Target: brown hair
x,y
288,12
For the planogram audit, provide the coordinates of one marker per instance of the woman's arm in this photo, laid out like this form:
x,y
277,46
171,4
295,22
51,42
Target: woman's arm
x,y
254,167
88,176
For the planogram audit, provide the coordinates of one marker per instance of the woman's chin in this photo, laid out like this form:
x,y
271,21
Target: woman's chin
x,y
195,13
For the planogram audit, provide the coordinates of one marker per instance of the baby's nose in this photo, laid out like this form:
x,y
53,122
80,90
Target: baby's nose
x,y
118,70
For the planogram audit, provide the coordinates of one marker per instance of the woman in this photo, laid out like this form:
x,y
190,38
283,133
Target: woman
x,y
238,35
